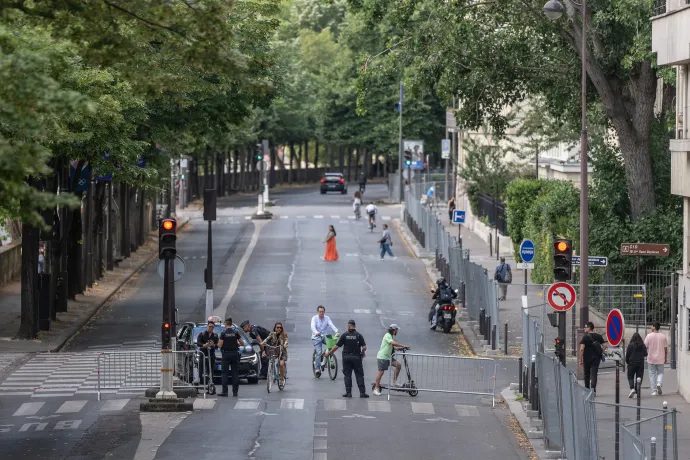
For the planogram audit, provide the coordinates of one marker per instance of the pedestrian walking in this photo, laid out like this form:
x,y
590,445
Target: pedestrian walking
x,y
386,242
207,341
354,348
230,343
592,347
451,208
634,358
384,358
657,353
331,253
504,276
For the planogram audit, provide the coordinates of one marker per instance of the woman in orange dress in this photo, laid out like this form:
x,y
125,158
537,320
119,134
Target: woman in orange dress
x,y
331,251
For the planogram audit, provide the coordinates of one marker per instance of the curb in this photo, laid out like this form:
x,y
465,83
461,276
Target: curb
x,y
534,436
81,323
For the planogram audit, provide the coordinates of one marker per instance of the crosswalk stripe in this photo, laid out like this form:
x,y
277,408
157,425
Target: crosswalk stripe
x,y
291,403
335,217
334,404
422,408
204,404
69,407
386,217
466,411
114,405
283,217
361,311
318,217
28,409
379,406
247,404
51,395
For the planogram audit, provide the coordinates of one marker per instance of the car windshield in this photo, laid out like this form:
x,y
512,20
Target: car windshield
x,y
218,329
333,177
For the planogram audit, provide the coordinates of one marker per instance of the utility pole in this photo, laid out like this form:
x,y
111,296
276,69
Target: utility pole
x,y
167,251
400,143
209,216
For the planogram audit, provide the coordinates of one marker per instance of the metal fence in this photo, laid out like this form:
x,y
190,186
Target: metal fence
x,y
658,291
494,210
447,374
139,370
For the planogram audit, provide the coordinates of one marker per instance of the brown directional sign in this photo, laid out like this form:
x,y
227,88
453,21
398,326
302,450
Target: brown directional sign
x,y
645,249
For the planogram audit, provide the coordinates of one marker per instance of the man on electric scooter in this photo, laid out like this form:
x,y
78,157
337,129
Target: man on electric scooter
x,y
383,357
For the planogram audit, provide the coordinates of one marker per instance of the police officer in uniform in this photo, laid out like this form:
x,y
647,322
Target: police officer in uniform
x,y
354,348
207,341
230,343
261,334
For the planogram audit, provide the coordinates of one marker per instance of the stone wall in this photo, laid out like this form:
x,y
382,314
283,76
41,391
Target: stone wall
x,y
10,261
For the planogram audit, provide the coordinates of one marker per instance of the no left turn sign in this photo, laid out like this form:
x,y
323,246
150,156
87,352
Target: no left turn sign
x,y
561,296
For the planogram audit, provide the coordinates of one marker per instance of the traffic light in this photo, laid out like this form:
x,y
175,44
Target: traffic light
x,y
166,239
560,349
408,158
259,152
562,259
165,334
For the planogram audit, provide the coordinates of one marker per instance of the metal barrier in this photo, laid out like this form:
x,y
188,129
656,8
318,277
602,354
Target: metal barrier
x,y
140,370
446,374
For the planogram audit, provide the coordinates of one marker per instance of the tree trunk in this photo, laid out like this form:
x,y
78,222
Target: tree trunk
x,y
75,253
292,154
349,163
306,161
316,155
29,283
235,170
360,152
341,158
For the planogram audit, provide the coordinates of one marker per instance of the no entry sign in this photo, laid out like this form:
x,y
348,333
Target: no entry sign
x,y
561,296
615,327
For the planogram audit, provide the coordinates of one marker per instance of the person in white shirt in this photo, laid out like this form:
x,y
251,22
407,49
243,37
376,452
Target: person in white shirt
x,y
371,212
320,325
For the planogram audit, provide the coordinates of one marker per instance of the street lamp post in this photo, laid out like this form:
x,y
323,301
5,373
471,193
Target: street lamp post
x,y
554,10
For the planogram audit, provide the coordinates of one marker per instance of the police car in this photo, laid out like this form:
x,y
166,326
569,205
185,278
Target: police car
x,y
250,360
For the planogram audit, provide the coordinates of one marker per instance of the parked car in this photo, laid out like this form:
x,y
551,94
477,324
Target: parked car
x,y
333,182
250,361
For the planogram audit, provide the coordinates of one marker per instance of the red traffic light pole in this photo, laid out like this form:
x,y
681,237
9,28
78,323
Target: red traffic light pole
x,y
167,251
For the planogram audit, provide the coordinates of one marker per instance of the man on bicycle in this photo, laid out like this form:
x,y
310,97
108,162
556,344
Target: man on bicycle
x,y
259,333
320,325
278,338
371,212
383,357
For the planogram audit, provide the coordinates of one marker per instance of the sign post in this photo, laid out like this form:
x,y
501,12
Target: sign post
x,y
527,256
459,218
561,297
615,330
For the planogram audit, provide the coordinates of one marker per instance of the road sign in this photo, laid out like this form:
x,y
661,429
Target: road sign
x,y
527,251
615,327
524,266
594,261
561,296
614,354
445,149
178,268
458,216
183,163
645,249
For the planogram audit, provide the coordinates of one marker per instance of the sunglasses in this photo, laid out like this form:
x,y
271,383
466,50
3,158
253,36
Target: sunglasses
x,y
278,327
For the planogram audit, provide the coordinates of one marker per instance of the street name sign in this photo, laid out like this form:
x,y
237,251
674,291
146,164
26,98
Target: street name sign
x,y
445,149
527,251
645,249
524,266
561,296
594,261
615,327
458,216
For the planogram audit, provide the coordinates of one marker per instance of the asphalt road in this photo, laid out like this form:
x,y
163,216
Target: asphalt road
x,y
268,272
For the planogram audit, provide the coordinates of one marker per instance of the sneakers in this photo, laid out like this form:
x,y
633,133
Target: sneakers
x,y
377,392
658,389
433,328
347,395
396,385
654,393
318,373
632,393
363,395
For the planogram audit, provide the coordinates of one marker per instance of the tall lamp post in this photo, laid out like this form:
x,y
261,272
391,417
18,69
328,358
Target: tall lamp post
x,y
554,10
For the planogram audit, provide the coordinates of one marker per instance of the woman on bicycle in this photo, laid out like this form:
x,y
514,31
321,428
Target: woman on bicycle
x,y
279,338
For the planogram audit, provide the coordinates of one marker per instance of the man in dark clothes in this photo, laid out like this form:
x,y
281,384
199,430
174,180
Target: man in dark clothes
x,y
354,348
592,347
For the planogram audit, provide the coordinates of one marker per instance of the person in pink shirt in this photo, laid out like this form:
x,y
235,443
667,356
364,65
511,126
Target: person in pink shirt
x,y
656,344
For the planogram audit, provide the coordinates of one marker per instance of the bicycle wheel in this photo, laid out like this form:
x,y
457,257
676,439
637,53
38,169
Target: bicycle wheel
x,y
269,376
332,364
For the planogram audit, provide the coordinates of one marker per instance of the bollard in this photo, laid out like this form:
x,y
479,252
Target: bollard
x,y
482,317
533,382
494,335
664,436
520,375
505,340
525,385
639,401
652,450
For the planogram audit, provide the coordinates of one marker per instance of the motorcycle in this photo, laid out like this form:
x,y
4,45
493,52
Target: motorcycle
x,y
446,314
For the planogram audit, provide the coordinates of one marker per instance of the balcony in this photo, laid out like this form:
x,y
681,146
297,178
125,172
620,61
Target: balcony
x,y
670,32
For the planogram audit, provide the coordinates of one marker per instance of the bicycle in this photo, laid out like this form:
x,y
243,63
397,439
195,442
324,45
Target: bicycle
x,y
372,222
331,361
273,374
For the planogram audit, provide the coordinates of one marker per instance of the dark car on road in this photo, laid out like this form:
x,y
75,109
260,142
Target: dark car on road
x,y
333,182
250,361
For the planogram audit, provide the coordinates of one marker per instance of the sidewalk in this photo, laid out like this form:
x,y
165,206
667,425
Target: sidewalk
x,y
79,311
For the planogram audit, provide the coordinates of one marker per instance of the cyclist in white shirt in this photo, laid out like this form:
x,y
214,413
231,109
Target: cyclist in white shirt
x,y
320,325
372,211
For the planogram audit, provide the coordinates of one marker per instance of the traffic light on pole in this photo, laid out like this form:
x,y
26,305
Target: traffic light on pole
x,y
563,259
167,239
408,158
259,152
165,334
560,349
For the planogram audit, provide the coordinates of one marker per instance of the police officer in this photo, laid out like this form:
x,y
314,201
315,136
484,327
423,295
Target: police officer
x,y
207,341
259,333
354,348
230,343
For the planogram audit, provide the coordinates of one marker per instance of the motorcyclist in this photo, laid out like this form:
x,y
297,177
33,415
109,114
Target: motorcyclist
x,y
443,289
261,334
362,181
371,212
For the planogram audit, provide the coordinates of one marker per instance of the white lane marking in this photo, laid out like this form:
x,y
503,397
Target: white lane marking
x,y
335,404
361,311
155,429
222,309
51,395
379,406
351,217
67,425
466,411
247,404
247,217
114,405
291,403
386,217
301,217
422,408
320,431
335,217
358,416
283,217
318,217
204,404
320,456
69,407
320,444
28,409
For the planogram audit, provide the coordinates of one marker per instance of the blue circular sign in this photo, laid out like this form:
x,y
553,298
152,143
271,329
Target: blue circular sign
x,y
527,251
615,327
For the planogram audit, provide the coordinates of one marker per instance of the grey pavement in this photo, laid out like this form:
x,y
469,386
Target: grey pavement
x,y
284,279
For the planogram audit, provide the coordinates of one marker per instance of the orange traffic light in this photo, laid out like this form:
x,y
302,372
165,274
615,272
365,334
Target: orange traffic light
x,y
562,259
562,246
166,239
166,325
168,224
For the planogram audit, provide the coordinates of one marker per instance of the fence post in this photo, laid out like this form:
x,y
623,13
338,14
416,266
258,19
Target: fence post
x,y
520,375
505,340
639,401
652,452
533,382
664,435
493,337
482,317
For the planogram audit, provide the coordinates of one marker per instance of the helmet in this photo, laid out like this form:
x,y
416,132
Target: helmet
x,y
352,321
244,323
440,281
394,326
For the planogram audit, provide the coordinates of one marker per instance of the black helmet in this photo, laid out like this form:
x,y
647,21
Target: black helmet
x,y
244,323
440,281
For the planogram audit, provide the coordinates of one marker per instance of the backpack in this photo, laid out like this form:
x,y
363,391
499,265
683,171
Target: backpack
x,y
445,295
598,351
508,278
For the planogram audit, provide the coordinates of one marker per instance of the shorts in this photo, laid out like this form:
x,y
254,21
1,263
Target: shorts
x,y
384,364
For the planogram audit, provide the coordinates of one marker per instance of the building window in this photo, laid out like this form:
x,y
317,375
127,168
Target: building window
x,y
659,7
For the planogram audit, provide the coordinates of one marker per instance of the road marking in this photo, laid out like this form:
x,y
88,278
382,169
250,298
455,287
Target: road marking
x,y
155,429
222,309
247,217
386,217
422,408
335,404
358,416
318,217
320,456
28,409
247,404
379,406
335,217
69,407
283,217
301,217
351,217
114,405
67,425
320,444
39,426
204,404
466,411
290,403
320,431
361,311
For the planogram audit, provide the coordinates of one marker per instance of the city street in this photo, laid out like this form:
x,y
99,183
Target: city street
x,y
264,272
